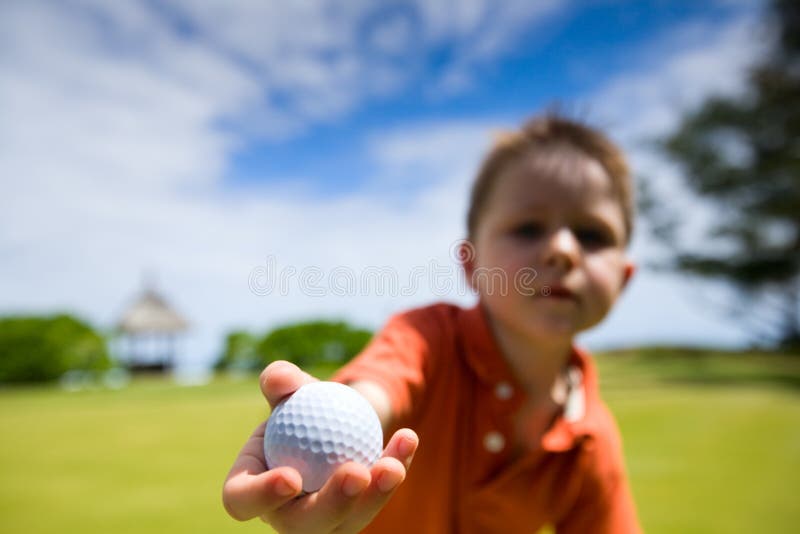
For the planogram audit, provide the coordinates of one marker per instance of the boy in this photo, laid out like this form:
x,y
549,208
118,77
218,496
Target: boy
x,y
513,433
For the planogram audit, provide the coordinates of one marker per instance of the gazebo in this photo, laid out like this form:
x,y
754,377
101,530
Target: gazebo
x,y
147,334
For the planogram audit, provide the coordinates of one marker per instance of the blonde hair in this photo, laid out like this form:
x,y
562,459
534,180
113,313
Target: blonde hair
x,y
543,135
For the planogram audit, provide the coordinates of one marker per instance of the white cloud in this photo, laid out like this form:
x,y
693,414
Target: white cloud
x,y
433,145
393,35
675,74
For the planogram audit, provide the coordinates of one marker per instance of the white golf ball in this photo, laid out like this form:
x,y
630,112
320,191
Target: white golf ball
x,y
319,427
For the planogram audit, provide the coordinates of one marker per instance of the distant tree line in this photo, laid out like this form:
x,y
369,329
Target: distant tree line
x,y
37,349
44,348
305,344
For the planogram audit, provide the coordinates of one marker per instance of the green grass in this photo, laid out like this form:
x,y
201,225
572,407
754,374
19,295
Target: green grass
x,y
712,440
150,458
712,445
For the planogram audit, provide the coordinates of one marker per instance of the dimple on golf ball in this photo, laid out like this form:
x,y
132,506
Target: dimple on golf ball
x,y
319,427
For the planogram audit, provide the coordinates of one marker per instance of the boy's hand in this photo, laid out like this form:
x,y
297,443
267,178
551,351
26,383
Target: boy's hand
x,y
346,503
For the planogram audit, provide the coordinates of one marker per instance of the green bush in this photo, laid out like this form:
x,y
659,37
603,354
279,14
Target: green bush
x,y
35,349
239,352
313,343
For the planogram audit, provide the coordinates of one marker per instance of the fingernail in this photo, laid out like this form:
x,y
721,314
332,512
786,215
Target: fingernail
x,y
352,486
388,481
283,488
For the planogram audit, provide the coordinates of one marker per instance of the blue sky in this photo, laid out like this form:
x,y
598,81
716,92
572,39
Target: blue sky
x,y
562,59
209,142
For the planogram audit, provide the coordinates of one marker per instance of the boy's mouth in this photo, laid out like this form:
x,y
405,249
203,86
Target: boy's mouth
x,y
557,292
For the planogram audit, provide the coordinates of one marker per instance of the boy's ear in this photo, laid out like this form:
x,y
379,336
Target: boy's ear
x,y
629,270
466,255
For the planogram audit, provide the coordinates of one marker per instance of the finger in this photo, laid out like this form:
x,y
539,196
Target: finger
x,y
246,496
249,489
402,446
280,379
387,475
329,507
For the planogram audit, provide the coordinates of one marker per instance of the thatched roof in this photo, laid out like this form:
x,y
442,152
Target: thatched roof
x,y
151,314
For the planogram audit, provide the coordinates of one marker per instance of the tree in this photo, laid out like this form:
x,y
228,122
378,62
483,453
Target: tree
x,y
742,155
34,349
240,352
312,343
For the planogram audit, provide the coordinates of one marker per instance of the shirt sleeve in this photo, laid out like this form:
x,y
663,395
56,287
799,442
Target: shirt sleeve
x,y
398,359
604,504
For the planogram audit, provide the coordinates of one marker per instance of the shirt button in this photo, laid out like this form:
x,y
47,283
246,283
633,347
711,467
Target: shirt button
x,y
494,441
503,391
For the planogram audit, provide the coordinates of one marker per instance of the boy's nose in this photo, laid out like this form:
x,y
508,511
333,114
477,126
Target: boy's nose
x,y
562,250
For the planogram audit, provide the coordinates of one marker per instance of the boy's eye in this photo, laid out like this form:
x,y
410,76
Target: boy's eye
x,y
592,237
528,230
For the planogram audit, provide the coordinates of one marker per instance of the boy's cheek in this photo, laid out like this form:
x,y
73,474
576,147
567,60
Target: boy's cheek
x,y
607,285
611,270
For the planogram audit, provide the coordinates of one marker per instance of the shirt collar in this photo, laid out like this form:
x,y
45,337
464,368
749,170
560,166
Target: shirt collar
x,y
580,416
480,350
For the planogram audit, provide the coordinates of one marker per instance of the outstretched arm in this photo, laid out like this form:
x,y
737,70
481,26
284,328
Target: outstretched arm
x,y
349,499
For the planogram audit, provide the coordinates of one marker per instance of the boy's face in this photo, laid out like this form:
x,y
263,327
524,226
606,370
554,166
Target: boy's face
x,y
555,215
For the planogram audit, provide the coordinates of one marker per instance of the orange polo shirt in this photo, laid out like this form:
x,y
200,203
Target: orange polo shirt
x,y
447,380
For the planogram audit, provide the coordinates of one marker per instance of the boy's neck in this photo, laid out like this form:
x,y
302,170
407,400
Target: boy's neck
x,y
536,364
